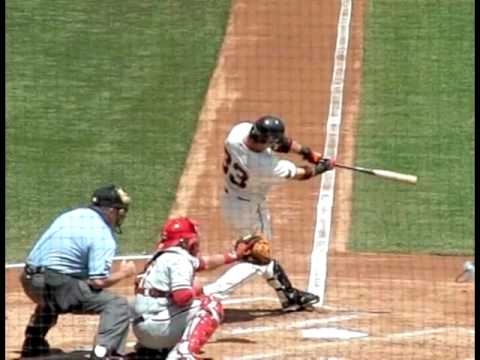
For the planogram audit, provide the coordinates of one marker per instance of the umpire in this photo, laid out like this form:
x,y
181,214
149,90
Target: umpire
x,y
68,268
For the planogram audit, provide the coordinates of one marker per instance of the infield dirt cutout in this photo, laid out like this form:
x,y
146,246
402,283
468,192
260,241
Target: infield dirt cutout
x,y
277,58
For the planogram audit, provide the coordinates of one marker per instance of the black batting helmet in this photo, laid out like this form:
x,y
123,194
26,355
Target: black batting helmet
x,y
268,130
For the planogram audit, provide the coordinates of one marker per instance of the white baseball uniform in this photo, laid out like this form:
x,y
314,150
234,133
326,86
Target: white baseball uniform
x,y
249,176
162,323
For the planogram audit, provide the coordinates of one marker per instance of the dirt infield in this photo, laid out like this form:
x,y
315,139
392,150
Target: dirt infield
x,y
278,58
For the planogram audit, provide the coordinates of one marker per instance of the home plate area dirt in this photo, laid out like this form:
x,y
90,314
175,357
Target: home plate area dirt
x,y
372,311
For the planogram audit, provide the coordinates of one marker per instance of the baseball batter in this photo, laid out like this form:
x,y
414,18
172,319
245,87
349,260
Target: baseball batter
x,y
171,314
251,168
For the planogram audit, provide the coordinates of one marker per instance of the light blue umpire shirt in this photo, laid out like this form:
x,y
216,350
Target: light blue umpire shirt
x,y
79,242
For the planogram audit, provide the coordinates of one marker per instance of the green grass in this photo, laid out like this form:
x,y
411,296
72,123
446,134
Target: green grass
x,y
417,117
99,92
109,91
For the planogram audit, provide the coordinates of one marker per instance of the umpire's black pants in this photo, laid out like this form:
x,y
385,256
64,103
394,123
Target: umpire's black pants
x,y
56,293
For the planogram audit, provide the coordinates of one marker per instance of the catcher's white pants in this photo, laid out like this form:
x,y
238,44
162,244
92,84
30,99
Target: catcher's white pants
x,y
165,329
245,216
235,276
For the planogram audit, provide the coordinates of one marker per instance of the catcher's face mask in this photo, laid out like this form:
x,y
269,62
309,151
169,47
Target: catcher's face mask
x,y
121,215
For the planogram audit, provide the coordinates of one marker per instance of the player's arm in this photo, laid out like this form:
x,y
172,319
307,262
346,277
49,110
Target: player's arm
x,y
185,288
209,262
100,258
308,171
287,144
126,270
285,169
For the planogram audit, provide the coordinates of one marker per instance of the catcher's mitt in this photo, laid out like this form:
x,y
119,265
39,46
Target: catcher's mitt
x,y
259,249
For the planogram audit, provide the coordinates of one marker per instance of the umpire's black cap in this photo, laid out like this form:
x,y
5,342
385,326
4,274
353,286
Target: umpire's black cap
x,y
111,196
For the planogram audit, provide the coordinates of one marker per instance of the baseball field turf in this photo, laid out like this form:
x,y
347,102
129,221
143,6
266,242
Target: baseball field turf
x,y
102,92
93,99
417,116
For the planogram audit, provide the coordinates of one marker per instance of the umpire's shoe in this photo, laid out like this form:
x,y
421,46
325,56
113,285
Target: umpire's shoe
x,y
34,346
101,353
299,300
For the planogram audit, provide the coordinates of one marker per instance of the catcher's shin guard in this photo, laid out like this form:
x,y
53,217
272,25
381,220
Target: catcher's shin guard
x,y
199,330
290,298
280,283
302,300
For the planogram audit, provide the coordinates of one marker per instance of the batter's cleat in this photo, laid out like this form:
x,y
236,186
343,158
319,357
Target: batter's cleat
x,y
34,346
299,300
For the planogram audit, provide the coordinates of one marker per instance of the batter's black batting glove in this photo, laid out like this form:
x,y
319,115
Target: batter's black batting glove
x,y
324,165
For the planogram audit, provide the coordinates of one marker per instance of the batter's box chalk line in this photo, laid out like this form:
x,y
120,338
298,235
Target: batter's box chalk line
x,y
291,325
318,308
332,333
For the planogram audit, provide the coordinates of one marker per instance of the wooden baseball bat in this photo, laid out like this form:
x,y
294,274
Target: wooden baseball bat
x,y
391,175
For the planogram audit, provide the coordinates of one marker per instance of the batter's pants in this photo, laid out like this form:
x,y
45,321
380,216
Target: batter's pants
x,y
245,216
236,276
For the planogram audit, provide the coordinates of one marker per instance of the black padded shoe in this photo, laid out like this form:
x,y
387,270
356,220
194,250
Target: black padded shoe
x,y
34,346
306,299
299,300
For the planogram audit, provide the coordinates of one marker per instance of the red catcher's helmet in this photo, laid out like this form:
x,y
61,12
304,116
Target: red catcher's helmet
x,y
179,231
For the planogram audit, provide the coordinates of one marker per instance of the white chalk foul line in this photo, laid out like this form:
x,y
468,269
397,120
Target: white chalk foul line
x,y
318,263
425,332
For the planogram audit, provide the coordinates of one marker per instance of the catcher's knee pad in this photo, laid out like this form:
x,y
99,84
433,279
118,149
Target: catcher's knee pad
x,y
213,306
202,326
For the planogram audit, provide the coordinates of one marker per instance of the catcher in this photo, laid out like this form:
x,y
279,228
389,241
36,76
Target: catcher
x,y
171,315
